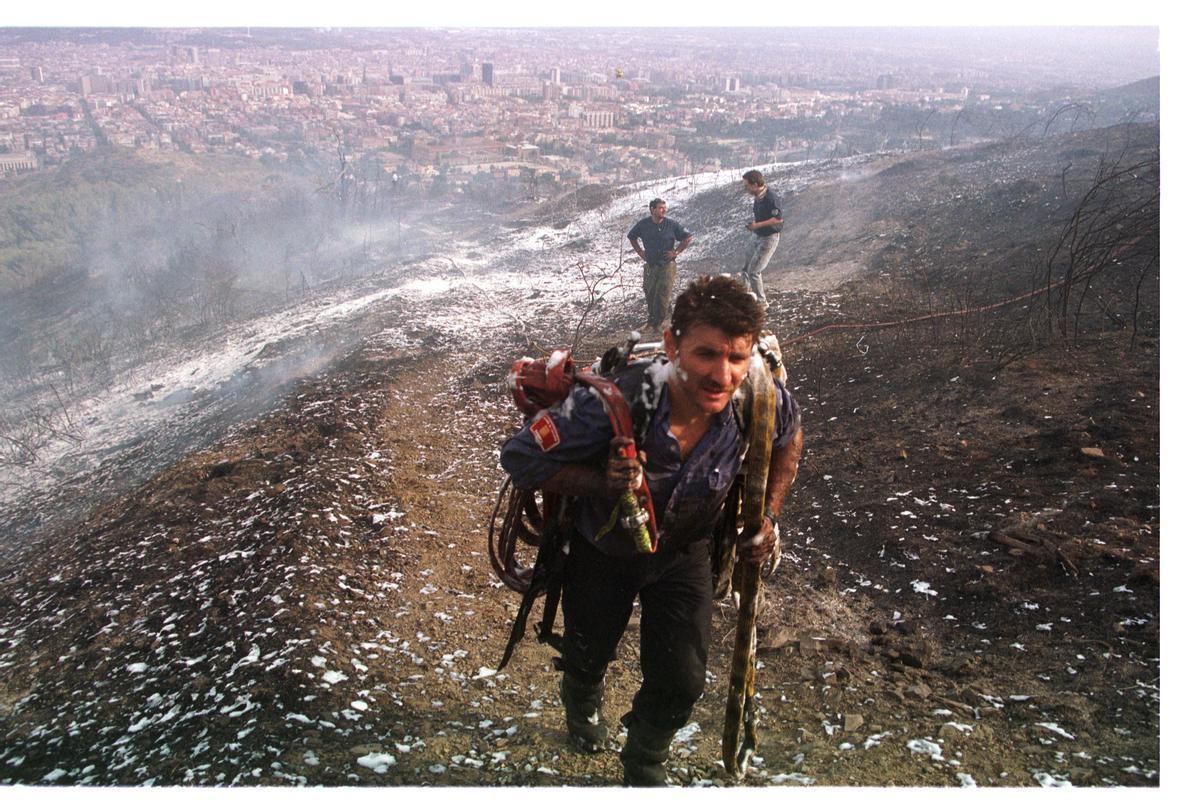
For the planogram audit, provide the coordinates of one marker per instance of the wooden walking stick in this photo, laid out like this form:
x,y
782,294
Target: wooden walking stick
x,y
740,711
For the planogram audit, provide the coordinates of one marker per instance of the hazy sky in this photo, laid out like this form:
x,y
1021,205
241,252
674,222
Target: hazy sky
x,y
415,13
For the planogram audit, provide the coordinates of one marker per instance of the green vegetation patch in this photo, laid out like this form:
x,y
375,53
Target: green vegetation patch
x,y
49,220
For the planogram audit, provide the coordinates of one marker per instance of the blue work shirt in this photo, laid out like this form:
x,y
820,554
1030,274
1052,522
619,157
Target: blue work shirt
x,y
765,208
687,495
658,238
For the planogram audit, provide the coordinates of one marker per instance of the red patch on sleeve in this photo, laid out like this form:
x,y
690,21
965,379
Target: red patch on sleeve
x,y
544,432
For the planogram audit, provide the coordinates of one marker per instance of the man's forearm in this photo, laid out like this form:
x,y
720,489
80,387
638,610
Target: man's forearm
x,y
784,462
577,480
620,472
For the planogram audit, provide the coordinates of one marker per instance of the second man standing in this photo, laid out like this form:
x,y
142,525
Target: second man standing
x,y
766,225
658,249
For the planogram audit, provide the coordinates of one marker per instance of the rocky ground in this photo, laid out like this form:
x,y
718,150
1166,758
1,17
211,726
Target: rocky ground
x,y
969,592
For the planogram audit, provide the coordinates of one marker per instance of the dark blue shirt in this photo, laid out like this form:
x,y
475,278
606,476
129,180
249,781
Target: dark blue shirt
x,y
765,208
687,494
658,238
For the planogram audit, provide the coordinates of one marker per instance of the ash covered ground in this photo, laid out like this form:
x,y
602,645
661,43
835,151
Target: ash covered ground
x,y
302,595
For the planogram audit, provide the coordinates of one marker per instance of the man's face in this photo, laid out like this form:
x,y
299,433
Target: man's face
x,y
657,213
751,188
710,365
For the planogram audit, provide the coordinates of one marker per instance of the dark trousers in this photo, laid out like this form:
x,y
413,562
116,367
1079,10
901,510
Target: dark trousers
x,y
658,282
675,589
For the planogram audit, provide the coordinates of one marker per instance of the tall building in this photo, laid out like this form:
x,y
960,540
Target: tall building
x,y
556,75
489,74
185,54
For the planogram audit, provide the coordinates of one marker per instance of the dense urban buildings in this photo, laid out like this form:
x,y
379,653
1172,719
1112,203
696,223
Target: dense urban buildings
x,y
473,110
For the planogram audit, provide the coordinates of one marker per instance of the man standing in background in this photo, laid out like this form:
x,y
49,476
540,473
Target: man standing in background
x,y
766,226
658,235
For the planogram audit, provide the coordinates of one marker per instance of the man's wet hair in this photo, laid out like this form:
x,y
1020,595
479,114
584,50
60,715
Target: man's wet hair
x,y
720,301
658,201
755,177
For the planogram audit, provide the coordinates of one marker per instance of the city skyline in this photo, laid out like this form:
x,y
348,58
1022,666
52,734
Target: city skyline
x,y
553,106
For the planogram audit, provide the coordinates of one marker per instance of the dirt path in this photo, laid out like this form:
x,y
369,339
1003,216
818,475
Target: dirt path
x,y
310,601
1010,672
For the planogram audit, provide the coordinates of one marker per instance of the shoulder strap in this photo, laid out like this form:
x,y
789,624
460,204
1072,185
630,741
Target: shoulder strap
x,y
641,385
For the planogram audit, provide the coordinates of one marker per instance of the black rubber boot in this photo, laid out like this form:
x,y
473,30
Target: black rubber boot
x,y
644,755
583,703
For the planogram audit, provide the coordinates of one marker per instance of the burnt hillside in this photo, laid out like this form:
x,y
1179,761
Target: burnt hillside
x,y
969,592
